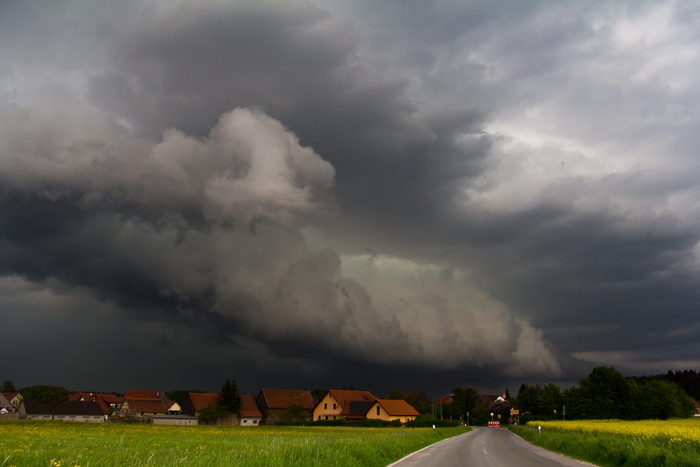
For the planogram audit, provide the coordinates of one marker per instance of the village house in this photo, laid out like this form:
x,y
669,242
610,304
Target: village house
x,y
391,410
71,411
5,405
110,403
140,403
274,403
11,398
250,414
343,404
198,401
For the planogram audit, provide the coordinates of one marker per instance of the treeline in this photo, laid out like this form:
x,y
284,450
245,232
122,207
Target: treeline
x,y
607,394
689,380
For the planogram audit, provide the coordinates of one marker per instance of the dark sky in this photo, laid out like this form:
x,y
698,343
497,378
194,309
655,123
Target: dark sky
x,y
380,195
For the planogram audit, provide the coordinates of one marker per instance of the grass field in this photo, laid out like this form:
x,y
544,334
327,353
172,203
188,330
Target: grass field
x,y
620,443
67,444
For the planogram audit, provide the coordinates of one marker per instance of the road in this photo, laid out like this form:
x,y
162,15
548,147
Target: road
x,y
486,447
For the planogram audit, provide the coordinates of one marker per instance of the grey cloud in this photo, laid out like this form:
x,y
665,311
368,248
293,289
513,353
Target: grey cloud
x,y
248,185
522,174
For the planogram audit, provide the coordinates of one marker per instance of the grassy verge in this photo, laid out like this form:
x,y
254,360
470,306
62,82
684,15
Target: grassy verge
x,y
66,444
608,449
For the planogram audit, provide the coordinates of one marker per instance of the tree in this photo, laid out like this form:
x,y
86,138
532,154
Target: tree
x,y
396,395
603,394
661,399
500,409
294,413
8,386
229,401
464,400
552,400
53,396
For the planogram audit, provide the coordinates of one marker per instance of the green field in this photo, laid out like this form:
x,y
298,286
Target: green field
x,y
672,443
67,444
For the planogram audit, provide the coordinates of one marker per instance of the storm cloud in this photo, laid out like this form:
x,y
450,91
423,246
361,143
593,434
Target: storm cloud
x,y
318,194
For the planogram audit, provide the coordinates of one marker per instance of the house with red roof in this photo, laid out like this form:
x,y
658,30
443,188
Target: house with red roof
x,y
391,409
11,398
248,415
140,403
274,403
343,404
198,401
110,403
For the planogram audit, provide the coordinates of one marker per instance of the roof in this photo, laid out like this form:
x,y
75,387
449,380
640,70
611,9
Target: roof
x,y
283,398
345,396
4,402
249,408
34,407
146,406
445,400
10,395
202,400
111,398
397,407
358,408
145,394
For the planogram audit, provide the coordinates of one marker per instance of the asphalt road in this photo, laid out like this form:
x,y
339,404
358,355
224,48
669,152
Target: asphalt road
x,y
486,447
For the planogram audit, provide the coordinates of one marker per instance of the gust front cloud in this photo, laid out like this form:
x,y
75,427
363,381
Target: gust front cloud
x,y
215,226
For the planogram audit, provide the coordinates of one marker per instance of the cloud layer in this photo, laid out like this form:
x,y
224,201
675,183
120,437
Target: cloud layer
x,y
474,191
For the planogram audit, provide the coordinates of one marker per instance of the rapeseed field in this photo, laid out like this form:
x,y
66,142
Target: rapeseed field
x,y
664,432
658,443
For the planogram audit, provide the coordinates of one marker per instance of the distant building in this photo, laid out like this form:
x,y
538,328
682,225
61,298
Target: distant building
x,y
71,411
391,410
343,404
142,402
273,403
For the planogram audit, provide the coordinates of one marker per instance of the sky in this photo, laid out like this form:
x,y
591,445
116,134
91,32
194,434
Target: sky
x,y
411,195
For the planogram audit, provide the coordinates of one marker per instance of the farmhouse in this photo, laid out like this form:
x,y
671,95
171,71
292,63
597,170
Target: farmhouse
x,y
390,410
343,404
249,415
71,411
13,398
198,401
273,403
139,403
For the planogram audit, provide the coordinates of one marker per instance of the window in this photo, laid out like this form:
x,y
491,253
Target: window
x,y
378,410
325,406
335,406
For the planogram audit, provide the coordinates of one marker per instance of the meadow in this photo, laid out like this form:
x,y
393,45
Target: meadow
x,y
69,444
620,443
